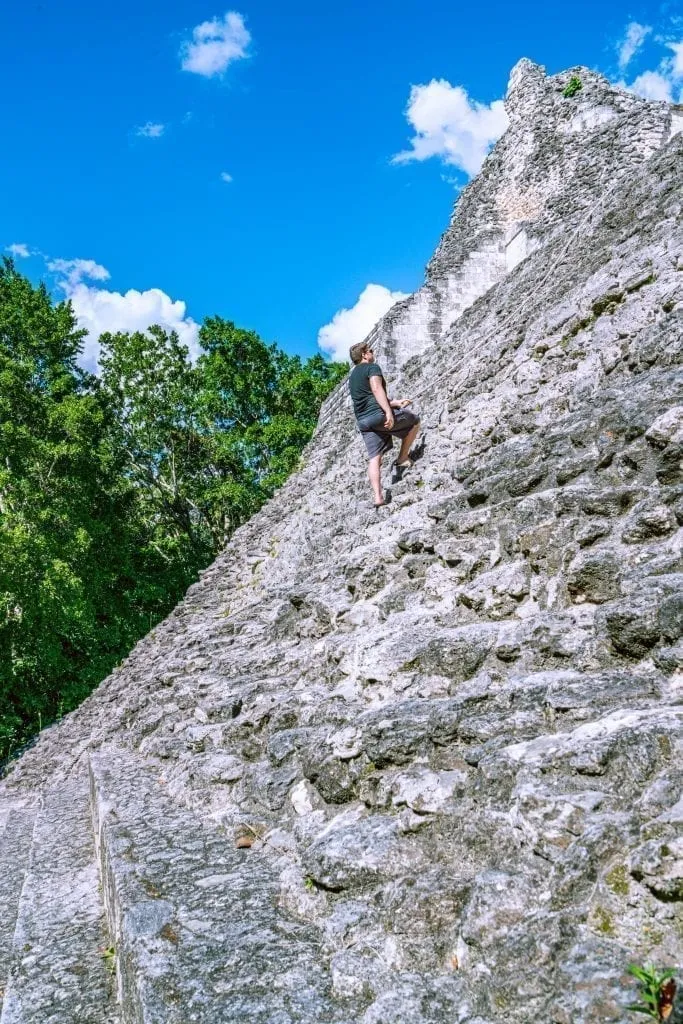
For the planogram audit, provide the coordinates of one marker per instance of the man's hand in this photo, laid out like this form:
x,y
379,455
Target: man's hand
x,y
389,421
405,401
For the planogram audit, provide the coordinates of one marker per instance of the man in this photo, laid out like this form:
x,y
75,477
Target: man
x,y
375,417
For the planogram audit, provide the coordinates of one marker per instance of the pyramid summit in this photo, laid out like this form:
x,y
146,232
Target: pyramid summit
x,y
421,765
555,161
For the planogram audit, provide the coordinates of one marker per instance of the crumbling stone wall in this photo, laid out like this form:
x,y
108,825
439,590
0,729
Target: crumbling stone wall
x,y
555,161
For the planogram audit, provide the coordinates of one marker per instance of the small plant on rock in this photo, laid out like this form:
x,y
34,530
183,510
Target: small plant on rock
x,y
656,990
573,86
108,954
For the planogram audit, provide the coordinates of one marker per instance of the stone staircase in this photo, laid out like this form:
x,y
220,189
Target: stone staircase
x,y
56,966
193,916
16,829
135,910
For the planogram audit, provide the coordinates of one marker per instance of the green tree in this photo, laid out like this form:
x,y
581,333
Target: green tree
x,y
114,492
65,574
209,443
152,389
265,402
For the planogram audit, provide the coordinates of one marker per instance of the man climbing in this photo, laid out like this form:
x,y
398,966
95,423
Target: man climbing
x,y
375,416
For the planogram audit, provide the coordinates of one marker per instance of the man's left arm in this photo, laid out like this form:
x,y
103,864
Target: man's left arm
x,y
400,403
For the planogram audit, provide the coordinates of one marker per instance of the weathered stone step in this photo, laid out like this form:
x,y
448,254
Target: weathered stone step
x,y
16,829
548,529
197,932
60,973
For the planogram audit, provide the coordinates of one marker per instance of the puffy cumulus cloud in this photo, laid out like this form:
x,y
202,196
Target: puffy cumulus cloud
x,y
664,82
349,326
70,272
99,310
652,85
634,38
215,44
227,178
449,125
18,249
150,130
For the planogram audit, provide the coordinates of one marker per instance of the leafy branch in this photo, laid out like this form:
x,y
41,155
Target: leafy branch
x,y
656,991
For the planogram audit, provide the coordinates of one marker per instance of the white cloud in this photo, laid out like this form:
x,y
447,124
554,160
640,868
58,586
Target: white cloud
x,y
18,249
451,126
215,44
99,310
662,83
634,38
652,85
677,60
150,130
226,177
349,326
71,272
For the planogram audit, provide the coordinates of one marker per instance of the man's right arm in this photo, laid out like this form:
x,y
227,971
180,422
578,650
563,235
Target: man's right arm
x,y
381,398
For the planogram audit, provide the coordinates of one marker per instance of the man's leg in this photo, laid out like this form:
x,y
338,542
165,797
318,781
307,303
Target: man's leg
x,y
407,443
375,477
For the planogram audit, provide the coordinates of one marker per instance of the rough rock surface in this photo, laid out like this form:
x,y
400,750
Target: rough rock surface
x,y
424,765
545,175
61,971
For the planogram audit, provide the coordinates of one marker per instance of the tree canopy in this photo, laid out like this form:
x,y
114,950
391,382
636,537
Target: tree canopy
x,y
116,490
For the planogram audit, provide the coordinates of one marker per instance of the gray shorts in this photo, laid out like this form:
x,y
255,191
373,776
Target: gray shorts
x,y
379,440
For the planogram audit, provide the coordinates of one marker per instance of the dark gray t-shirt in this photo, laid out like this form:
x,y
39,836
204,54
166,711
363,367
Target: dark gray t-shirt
x,y
364,402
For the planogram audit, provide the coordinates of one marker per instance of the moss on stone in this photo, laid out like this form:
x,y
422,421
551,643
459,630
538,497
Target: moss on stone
x,y
607,304
617,880
602,920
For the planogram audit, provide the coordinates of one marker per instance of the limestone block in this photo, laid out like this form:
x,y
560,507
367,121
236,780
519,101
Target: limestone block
x,y
667,428
516,249
633,626
648,520
676,123
594,577
659,865
425,791
347,855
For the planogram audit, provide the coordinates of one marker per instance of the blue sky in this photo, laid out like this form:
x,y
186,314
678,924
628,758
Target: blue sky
x,y
122,122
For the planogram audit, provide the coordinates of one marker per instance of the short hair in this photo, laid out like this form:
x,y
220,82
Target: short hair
x,y
357,352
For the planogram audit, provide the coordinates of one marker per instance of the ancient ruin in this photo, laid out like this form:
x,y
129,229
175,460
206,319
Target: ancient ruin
x,y
421,765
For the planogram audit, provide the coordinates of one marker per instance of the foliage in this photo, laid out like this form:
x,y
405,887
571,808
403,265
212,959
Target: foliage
x,y
108,954
656,990
151,387
115,492
573,86
207,444
65,571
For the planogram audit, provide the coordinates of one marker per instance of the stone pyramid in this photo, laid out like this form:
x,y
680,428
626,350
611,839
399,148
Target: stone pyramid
x,y
421,765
